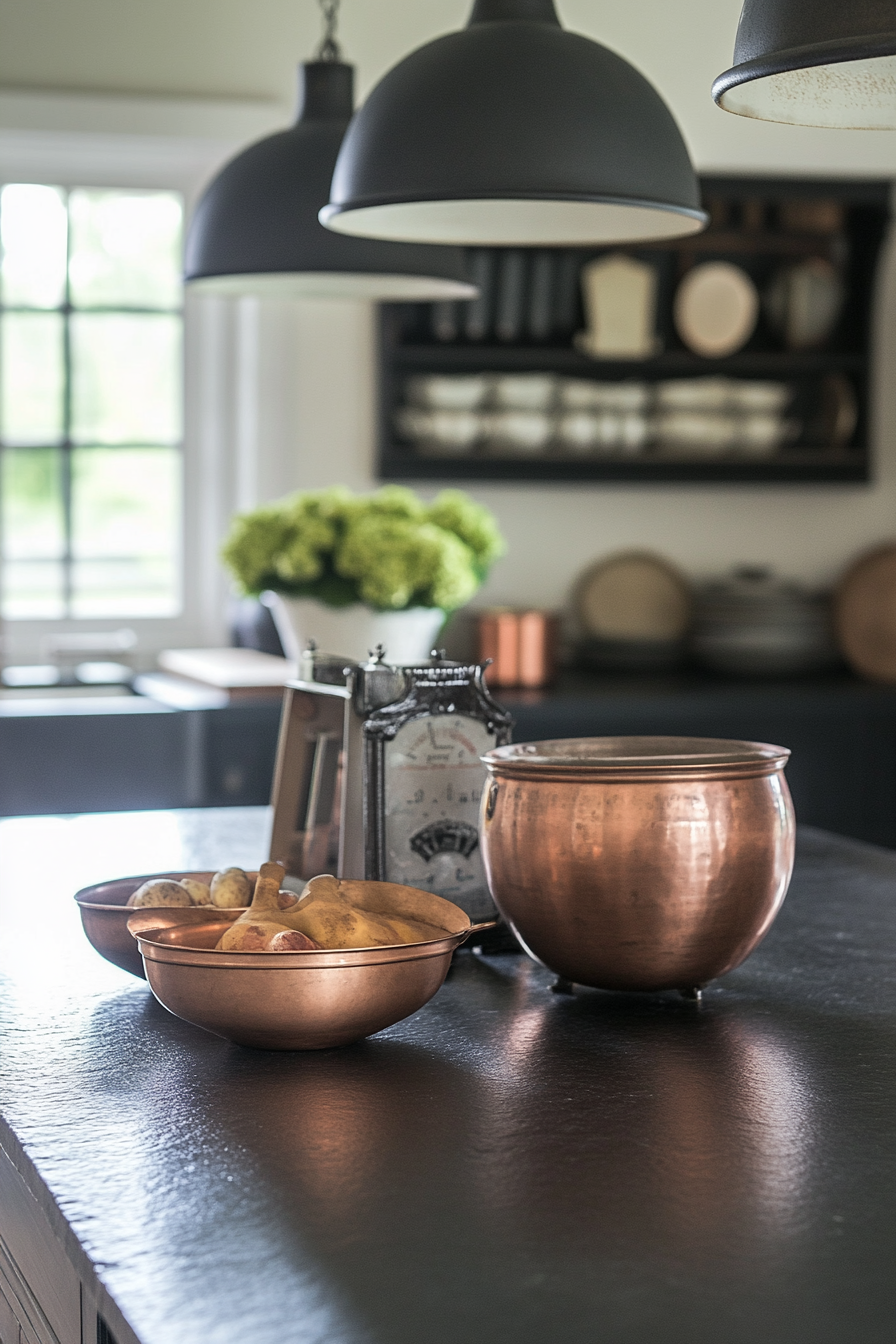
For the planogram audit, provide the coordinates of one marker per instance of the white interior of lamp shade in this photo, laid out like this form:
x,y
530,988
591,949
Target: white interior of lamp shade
x,y
851,95
335,285
512,223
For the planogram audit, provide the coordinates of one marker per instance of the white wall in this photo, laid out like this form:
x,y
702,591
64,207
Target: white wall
x,y
308,372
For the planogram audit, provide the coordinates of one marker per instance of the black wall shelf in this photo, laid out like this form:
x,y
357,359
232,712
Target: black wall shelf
x,y
785,468
528,358
409,346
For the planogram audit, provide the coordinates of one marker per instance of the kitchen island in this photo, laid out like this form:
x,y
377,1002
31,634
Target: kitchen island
x,y
508,1166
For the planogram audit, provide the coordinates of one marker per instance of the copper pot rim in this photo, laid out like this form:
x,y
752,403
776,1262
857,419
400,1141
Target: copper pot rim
x,y
648,759
334,959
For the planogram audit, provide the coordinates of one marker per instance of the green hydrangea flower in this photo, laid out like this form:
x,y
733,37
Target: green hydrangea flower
x,y
391,558
394,501
255,540
388,550
473,523
458,575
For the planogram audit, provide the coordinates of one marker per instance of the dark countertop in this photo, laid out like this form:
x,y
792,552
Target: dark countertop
x,y
508,1166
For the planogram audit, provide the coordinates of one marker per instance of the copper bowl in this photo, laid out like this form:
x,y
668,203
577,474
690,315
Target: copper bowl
x,y
297,1000
640,863
105,913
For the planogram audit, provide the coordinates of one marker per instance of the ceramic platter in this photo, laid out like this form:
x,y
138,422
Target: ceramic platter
x,y
804,302
633,595
839,409
865,615
716,309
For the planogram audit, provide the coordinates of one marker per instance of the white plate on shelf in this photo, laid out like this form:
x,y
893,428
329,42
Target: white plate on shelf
x,y
588,394
760,396
518,433
444,392
524,391
693,394
695,433
583,433
438,433
716,309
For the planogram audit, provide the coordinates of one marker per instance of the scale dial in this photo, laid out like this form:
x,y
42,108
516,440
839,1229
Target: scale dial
x,y
433,785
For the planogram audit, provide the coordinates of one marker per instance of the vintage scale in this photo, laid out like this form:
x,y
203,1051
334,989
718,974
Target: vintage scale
x,y
379,774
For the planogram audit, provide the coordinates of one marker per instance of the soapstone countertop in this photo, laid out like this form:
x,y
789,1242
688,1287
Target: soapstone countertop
x,y
508,1166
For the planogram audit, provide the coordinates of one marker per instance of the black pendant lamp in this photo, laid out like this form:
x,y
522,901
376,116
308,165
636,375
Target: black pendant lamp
x,y
814,63
514,133
256,228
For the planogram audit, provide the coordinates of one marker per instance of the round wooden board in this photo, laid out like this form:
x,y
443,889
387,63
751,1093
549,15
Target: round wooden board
x,y
633,595
865,614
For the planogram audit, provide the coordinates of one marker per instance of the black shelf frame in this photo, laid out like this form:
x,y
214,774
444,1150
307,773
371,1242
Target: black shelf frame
x,y
562,359
399,463
400,356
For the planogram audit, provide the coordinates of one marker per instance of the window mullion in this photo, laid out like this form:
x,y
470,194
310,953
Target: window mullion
x,y
66,459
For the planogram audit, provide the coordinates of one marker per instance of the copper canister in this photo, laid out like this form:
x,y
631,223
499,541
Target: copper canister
x,y
522,646
639,863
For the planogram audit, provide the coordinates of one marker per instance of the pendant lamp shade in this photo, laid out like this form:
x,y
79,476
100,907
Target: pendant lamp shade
x,y
515,133
256,228
814,63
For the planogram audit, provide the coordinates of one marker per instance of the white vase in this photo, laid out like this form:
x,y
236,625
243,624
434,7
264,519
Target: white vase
x,y
353,632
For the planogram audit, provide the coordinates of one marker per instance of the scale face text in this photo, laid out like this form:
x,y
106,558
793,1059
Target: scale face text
x,y
434,785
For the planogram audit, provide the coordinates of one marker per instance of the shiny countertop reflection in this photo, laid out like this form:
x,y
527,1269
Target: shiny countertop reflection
x,y
507,1166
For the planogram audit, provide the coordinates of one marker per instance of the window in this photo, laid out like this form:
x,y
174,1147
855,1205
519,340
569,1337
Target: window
x,y
91,335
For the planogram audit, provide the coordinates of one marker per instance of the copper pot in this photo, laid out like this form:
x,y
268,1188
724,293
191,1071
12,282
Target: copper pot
x,y
522,646
638,863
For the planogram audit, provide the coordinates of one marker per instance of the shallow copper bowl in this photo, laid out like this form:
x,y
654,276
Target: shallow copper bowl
x,y
640,863
297,1000
105,912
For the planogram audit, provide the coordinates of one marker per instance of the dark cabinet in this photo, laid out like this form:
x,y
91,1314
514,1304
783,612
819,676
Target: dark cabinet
x,y
841,731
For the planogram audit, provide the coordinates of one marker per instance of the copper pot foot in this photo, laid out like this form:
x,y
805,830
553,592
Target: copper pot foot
x,y
562,986
692,992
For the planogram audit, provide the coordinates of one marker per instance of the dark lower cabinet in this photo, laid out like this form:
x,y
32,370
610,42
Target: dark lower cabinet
x,y
238,757
841,732
139,756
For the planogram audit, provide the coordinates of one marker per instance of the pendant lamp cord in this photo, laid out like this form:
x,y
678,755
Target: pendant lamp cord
x,y
329,47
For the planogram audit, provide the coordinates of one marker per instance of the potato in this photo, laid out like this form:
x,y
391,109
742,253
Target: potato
x,y
200,892
268,901
290,940
249,936
160,891
230,887
325,915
